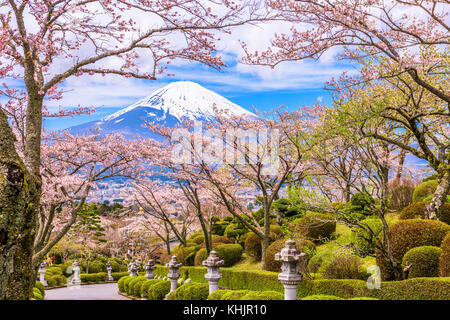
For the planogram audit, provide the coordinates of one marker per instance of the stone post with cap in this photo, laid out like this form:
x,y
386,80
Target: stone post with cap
x,y
213,275
290,276
76,273
109,269
173,275
149,267
42,271
133,269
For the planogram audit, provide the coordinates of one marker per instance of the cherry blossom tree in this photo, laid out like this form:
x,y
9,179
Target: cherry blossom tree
x,y
45,42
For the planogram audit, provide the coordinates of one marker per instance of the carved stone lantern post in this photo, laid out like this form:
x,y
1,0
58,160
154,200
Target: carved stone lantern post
x,y
290,277
133,269
149,267
213,275
109,269
173,275
42,271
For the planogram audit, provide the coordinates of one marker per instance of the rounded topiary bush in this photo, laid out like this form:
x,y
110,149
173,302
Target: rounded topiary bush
x,y
190,291
302,245
56,280
218,294
322,297
41,287
444,259
263,295
159,290
200,256
417,210
136,292
408,234
424,261
133,281
344,267
424,190
37,294
229,253
234,295
316,227
253,246
97,266
121,283
127,284
185,255
199,239
361,235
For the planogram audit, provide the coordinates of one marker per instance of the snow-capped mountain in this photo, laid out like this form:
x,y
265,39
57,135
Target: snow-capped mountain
x,y
168,106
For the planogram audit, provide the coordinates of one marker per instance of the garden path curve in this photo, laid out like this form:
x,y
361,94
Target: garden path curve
x,y
107,291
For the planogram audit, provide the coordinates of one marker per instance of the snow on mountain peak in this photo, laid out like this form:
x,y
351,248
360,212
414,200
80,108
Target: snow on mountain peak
x,y
185,99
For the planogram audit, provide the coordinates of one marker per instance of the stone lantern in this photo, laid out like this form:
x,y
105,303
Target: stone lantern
x,y
42,271
213,276
149,267
109,269
173,275
133,269
76,273
290,277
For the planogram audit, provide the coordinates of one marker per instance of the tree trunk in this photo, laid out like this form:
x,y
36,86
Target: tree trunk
x,y
18,206
265,239
433,210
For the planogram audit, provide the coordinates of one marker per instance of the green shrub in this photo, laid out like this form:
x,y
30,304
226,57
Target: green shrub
x,y
363,298
322,297
159,290
253,246
37,294
136,291
127,284
408,234
444,259
56,280
40,287
314,263
234,295
400,197
146,285
217,295
424,261
115,266
119,275
131,284
97,266
344,267
190,291
302,245
121,283
185,255
229,253
424,190
93,277
417,210
53,270
360,236
200,256
316,227
263,295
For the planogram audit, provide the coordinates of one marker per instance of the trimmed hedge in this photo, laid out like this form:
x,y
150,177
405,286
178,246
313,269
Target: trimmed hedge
x,y
159,290
234,295
229,253
118,275
444,259
37,295
131,284
424,260
253,246
417,210
316,227
121,283
302,245
40,287
411,289
93,277
190,291
55,280
263,295
408,234
136,291
97,266
322,297
146,285
218,294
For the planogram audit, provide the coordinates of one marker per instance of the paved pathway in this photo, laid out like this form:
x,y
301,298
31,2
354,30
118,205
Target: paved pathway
x,y
107,291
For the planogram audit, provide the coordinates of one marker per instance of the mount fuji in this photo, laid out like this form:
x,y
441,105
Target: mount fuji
x,y
168,106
